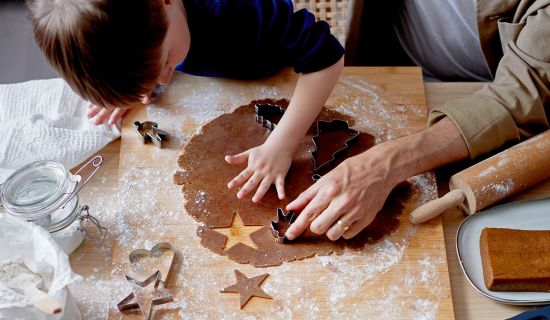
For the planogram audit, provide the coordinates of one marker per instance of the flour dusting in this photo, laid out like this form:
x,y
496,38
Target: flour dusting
x,y
500,189
145,202
487,171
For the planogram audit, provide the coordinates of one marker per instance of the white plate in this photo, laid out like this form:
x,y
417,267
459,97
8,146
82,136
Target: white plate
x,y
525,215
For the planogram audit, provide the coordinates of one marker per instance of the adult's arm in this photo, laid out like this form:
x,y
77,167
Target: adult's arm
x,y
515,105
356,190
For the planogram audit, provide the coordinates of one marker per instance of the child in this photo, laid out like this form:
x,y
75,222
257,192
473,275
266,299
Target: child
x,y
114,52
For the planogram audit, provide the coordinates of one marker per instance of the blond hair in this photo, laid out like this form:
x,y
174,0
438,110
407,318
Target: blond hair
x,y
108,51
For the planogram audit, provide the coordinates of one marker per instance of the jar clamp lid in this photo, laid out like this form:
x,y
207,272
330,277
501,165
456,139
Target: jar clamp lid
x,y
41,188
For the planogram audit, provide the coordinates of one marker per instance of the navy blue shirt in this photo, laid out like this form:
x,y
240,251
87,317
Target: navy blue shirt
x,y
246,39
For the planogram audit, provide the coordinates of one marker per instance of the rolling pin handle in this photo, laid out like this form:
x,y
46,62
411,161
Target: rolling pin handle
x,y
434,208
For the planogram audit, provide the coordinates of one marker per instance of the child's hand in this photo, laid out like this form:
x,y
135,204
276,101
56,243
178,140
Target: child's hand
x,y
267,165
98,115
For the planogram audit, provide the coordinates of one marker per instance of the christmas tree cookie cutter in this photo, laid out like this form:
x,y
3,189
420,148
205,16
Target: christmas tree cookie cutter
x,y
265,114
331,126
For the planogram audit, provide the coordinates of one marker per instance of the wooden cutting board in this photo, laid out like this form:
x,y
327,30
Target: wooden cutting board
x,y
403,276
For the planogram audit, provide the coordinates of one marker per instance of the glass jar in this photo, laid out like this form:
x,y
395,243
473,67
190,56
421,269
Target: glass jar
x,y
45,193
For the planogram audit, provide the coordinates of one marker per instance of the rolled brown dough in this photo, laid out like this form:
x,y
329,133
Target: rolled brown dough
x,y
205,175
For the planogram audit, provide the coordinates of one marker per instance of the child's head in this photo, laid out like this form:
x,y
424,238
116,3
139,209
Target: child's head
x,y
111,52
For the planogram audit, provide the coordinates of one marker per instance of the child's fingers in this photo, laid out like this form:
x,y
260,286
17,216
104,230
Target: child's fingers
x,y
238,158
116,115
146,99
93,110
249,185
240,179
262,189
101,116
280,186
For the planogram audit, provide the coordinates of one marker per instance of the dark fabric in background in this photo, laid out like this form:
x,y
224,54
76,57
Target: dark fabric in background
x,y
372,41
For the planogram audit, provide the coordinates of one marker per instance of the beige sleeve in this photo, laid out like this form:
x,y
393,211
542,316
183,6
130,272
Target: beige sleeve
x,y
515,105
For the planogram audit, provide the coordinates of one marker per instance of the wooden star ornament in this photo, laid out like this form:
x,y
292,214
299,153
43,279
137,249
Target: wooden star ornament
x,y
248,287
146,295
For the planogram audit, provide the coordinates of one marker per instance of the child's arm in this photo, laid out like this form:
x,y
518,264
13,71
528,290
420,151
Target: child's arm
x,y
269,163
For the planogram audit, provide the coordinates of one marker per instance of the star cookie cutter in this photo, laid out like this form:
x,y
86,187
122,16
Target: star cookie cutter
x,y
149,130
265,114
142,296
283,220
331,126
145,298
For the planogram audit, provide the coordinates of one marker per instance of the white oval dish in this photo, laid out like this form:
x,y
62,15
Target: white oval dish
x,y
524,215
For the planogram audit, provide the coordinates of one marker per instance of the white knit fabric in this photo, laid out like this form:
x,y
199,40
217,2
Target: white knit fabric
x,y
46,120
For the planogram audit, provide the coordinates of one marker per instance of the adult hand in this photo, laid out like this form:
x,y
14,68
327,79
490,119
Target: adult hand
x,y
347,199
267,164
355,191
98,114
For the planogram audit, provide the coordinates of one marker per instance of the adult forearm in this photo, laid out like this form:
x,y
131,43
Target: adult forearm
x,y
434,147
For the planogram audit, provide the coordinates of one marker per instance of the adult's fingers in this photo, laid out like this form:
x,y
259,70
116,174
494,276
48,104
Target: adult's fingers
x,y
303,199
310,212
338,206
240,179
358,226
348,221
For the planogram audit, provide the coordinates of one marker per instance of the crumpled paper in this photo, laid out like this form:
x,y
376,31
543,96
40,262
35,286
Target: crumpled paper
x,y
31,244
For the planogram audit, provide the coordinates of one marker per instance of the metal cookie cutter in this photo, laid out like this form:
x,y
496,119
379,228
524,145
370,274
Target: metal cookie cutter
x,y
149,130
268,115
158,251
146,295
151,292
331,126
283,221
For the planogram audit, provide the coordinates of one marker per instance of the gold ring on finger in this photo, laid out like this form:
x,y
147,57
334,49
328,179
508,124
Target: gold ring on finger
x,y
342,225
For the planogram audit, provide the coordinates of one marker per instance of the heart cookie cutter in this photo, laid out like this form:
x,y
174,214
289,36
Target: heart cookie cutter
x,y
157,277
160,250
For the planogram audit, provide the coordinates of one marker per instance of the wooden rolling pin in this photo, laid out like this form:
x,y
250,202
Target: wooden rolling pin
x,y
488,182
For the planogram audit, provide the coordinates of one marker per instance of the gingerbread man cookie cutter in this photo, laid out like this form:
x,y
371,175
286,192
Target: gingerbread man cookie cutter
x,y
149,131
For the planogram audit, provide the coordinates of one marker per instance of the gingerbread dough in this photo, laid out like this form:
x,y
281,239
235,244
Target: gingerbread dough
x,y
247,287
205,175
